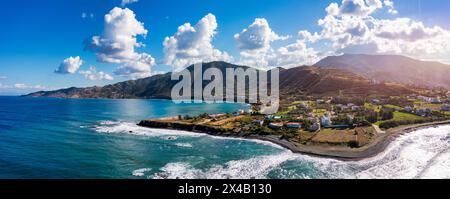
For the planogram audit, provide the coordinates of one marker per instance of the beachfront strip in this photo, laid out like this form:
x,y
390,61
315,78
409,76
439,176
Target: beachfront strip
x,y
321,121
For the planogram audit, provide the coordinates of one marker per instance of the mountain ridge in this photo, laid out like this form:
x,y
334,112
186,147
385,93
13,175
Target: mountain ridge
x,y
392,68
302,80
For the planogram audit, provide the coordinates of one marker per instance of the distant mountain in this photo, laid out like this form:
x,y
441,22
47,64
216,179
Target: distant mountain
x,y
154,87
331,82
392,68
297,81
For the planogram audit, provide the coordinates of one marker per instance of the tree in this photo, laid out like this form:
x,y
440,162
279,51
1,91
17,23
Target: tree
x,y
387,114
372,117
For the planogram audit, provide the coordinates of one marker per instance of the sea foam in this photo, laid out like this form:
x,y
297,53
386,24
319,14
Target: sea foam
x,y
424,153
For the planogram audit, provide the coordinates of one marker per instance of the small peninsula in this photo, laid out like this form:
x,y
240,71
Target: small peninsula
x,y
321,127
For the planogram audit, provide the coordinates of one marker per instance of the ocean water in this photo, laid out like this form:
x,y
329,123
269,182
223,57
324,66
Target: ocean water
x,y
44,138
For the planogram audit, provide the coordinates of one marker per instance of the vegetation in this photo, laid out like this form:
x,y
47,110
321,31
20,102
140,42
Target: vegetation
x,y
396,123
376,108
402,119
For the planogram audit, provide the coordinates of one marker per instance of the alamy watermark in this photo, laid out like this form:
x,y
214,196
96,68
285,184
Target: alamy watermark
x,y
242,85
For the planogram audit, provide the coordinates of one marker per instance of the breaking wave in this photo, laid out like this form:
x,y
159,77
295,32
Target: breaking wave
x,y
166,134
185,145
132,128
257,167
140,172
424,153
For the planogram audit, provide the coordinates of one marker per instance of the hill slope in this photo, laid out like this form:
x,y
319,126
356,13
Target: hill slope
x,y
392,68
294,82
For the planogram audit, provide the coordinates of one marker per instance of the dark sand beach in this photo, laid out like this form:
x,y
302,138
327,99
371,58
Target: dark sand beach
x,y
345,153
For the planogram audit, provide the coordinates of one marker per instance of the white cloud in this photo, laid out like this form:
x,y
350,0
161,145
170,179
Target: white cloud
x,y
3,77
125,2
294,55
118,42
85,15
348,27
257,37
93,74
2,86
255,44
69,65
351,28
390,5
20,86
358,7
193,44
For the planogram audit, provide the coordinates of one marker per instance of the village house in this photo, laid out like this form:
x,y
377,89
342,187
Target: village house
x,y
356,108
445,107
276,125
350,118
304,105
423,112
435,100
326,120
320,101
341,107
258,122
269,117
294,125
215,116
408,109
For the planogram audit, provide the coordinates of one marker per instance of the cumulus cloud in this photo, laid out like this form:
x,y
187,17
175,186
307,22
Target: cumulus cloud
x,y
257,37
347,27
69,65
93,74
357,7
193,44
118,44
350,27
255,44
390,5
125,2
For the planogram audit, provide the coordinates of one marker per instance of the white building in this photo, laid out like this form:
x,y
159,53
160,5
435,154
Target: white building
x,y
445,107
356,108
409,109
376,101
435,100
326,120
423,112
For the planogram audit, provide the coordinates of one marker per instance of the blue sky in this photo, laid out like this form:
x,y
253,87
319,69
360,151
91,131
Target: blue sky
x,y
37,36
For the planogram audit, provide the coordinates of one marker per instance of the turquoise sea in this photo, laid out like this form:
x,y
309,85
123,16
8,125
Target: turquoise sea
x,y
46,138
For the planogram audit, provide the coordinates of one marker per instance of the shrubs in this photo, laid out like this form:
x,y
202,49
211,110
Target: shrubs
x,y
386,113
353,144
372,117
396,123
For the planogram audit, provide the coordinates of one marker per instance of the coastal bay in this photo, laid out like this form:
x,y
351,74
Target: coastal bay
x,y
340,152
47,138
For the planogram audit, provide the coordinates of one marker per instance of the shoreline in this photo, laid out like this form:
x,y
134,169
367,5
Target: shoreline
x,y
342,153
